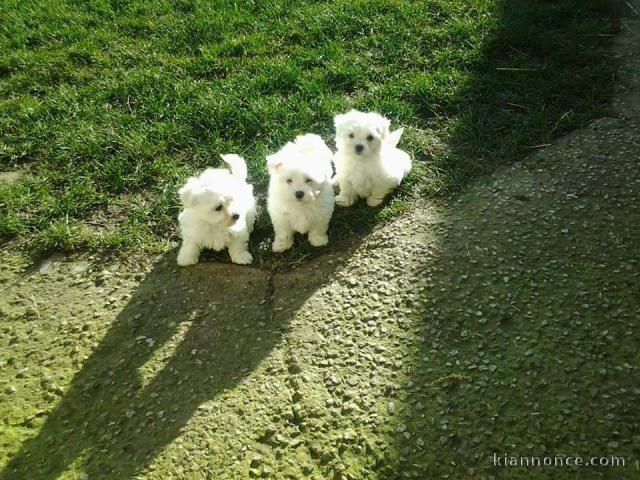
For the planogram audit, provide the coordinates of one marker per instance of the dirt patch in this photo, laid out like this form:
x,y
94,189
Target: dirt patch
x,y
8,178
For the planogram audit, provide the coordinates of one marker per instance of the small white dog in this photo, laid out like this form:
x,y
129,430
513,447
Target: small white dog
x,y
368,164
301,195
219,211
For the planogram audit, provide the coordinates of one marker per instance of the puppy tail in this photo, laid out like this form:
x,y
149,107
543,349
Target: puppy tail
x,y
394,137
237,164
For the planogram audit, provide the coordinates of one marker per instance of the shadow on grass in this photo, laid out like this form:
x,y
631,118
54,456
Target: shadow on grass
x,y
185,336
545,70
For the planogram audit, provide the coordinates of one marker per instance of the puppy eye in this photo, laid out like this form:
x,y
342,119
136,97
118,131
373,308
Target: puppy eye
x,y
308,180
289,181
219,207
351,135
369,138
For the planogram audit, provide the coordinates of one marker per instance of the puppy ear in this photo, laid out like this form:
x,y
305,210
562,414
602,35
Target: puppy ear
x,y
340,120
188,196
383,127
274,162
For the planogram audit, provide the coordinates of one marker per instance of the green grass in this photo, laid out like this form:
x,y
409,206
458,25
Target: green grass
x,y
118,101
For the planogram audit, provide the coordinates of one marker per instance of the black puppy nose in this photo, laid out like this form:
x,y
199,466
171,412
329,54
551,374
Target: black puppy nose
x,y
359,148
235,216
299,194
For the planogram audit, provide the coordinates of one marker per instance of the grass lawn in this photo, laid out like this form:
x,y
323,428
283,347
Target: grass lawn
x,y
107,106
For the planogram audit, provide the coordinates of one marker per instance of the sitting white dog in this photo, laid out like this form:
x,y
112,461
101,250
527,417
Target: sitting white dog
x,y
368,164
301,195
219,212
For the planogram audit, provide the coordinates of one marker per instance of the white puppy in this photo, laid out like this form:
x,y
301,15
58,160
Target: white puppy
x,y
368,164
219,211
300,191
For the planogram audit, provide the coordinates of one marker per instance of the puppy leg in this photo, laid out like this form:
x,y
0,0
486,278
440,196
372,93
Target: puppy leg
x,y
318,234
189,254
283,237
239,252
377,196
347,196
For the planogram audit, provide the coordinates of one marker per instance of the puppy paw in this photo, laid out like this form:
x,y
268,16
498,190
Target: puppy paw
x,y
318,239
374,201
186,260
280,244
345,200
243,258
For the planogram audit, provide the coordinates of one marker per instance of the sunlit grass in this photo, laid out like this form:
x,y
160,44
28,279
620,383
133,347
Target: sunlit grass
x,y
124,99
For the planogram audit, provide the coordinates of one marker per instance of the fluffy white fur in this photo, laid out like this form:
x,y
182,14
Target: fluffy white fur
x,y
301,195
368,163
219,212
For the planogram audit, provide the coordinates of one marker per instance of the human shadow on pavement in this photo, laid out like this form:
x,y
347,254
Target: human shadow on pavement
x,y
197,327
526,313
528,319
